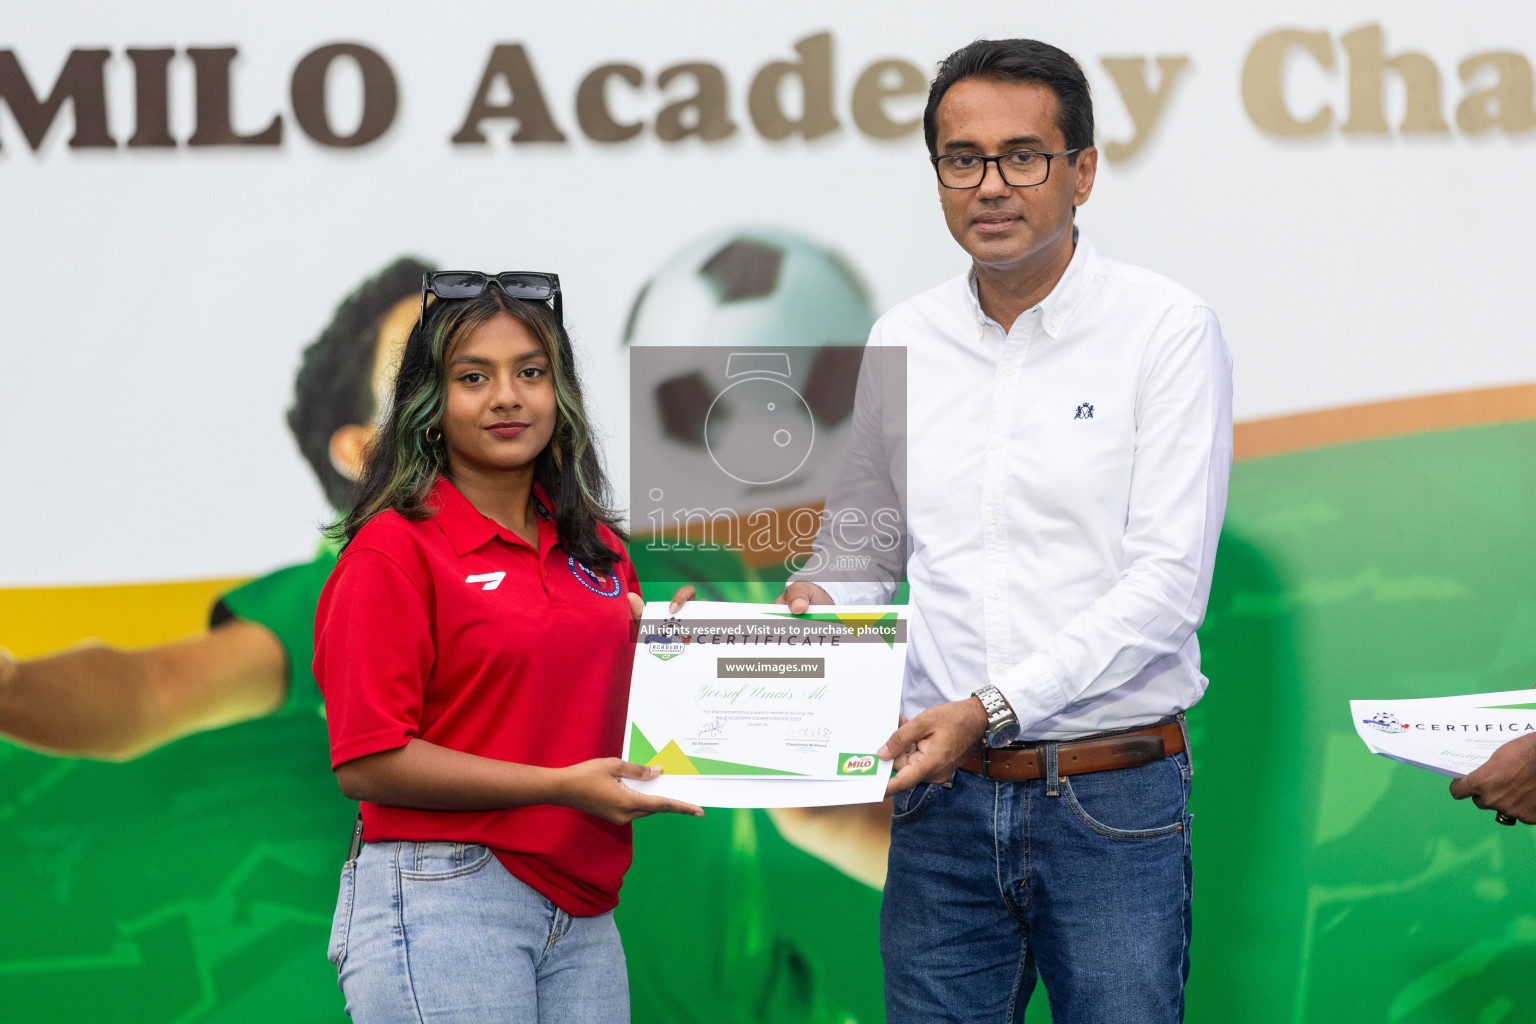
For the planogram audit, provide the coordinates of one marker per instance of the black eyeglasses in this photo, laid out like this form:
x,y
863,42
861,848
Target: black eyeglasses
x,y
516,284
1018,170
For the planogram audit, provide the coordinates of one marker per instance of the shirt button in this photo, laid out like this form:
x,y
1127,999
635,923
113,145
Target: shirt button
x,y
992,518
997,668
995,593
1008,371
997,443
1054,325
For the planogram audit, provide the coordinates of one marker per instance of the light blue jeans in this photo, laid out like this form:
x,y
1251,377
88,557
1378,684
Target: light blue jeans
x,y
1086,882
440,933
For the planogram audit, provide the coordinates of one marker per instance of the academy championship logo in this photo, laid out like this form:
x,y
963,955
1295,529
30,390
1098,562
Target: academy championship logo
x,y
856,764
666,647
1385,722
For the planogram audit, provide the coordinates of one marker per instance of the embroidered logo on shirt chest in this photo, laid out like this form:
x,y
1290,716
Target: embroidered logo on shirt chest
x,y
1084,411
492,580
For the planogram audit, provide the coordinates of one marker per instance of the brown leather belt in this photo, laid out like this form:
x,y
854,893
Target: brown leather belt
x,y
1079,757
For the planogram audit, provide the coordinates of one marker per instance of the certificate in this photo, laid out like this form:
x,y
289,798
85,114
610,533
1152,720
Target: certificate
x,y
746,705
1446,735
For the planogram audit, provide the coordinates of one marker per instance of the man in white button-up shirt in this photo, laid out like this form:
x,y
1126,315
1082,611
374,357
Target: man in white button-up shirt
x,y
1063,467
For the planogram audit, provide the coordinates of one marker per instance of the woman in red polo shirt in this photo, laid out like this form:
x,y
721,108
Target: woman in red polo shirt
x,y
473,646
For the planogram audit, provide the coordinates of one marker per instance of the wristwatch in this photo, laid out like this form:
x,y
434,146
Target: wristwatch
x,y
1002,723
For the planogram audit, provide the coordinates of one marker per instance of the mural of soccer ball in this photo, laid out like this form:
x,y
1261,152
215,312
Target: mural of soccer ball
x,y
745,349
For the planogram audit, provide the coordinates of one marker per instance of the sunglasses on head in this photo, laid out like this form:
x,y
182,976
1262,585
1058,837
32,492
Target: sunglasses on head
x,y
529,285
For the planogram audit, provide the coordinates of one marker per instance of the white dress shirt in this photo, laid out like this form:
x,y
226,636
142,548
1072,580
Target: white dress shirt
x,y
1065,486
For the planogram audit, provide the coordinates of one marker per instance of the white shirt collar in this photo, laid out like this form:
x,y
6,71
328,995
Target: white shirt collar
x,y
1057,307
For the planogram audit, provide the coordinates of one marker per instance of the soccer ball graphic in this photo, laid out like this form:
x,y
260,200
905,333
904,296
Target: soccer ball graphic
x,y
1385,722
745,348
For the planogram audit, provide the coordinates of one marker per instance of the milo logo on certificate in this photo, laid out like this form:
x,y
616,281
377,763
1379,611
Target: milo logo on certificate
x,y
856,764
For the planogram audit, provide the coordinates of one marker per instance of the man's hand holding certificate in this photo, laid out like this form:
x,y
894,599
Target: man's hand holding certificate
x,y
747,705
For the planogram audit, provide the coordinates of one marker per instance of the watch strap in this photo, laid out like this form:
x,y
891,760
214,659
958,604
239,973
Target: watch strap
x,y
1002,723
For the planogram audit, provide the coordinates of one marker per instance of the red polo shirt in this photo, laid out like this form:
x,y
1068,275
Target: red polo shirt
x,y
455,630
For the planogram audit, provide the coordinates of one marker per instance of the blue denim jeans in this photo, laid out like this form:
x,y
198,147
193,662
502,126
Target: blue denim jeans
x,y
1086,882
441,933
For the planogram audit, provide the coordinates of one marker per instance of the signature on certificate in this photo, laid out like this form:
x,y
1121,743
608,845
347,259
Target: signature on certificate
x,y
713,728
820,732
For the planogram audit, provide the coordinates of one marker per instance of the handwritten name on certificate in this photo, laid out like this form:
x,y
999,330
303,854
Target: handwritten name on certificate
x,y
746,705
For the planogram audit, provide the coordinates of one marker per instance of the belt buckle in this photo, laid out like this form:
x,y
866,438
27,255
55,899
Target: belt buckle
x,y
986,759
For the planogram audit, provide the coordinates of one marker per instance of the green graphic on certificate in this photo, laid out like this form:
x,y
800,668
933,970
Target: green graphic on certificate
x,y
673,761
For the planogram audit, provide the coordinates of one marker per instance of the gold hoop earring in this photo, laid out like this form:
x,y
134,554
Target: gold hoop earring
x,y
428,434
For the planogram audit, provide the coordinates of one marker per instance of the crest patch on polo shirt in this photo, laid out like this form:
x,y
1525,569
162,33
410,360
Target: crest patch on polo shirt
x,y
609,587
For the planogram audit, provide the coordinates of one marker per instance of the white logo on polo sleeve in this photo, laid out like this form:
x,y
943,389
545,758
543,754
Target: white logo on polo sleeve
x,y
492,580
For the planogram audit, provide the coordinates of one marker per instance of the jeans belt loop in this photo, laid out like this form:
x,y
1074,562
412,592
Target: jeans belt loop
x,y
1189,756
1052,779
357,839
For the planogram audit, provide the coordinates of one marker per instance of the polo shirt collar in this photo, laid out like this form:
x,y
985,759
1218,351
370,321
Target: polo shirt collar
x,y
1057,307
467,528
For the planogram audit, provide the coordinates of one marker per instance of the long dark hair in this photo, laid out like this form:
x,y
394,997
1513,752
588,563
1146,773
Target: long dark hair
x,y
402,465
